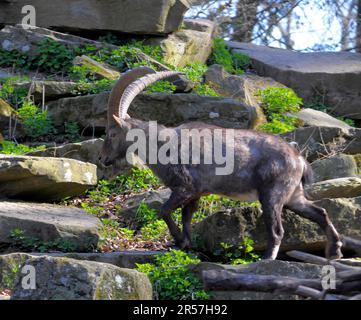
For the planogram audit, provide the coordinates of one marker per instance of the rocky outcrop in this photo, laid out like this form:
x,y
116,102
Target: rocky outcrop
x,y
28,41
97,68
338,166
85,151
68,279
234,225
192,43
241,87
44,179
336,188
334,76
153,199
48,90
311,117
24,40
320,142
168,109
265,267
45,222
123,259
129,16
6,112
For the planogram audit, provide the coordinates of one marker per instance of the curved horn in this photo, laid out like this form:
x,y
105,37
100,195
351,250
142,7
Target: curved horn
x,y
124,81
138,86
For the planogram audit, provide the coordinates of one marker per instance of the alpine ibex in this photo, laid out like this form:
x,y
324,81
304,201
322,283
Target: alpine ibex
x,y
265,168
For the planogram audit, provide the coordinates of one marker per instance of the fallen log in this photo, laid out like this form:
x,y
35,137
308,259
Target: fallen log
x,y
352,244
223,280
317,295
350,275
310,258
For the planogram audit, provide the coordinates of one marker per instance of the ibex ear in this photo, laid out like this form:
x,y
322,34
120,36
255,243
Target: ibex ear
x,y
118,120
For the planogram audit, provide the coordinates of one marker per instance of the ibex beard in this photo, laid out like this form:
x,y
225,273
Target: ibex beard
x,y
264,167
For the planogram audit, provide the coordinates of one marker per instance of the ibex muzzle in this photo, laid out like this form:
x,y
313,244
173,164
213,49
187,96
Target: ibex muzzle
x,y
265,168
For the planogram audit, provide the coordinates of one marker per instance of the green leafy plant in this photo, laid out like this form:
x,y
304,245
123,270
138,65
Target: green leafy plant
x,y
11,93
14,59
27,243
162,87
213,203
52,56
234,255
235,63
240,62
10,147
72,131
154,230
172,278
277,103
36,122
195,73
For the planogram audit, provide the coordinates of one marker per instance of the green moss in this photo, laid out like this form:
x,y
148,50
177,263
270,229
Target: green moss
x,y
235,63
172,278
123,285
10,266
10,147
357,158
276,102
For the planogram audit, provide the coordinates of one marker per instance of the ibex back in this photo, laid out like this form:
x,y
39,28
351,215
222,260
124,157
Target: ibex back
x,y
265,168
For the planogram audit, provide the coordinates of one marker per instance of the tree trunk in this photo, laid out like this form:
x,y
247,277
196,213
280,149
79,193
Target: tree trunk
x,y
245,20
358,35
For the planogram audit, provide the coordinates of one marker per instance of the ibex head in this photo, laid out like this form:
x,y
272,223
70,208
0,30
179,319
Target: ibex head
x,y
123,93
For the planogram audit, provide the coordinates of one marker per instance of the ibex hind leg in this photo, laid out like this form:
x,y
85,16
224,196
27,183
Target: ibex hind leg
x,y
307,209
272,200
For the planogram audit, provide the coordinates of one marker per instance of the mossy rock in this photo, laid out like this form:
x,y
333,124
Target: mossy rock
x,y
59,278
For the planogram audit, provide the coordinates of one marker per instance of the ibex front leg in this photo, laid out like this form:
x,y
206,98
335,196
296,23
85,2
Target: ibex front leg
x,y
176,200
187,214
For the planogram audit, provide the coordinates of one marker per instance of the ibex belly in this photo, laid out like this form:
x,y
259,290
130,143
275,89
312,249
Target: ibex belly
x,y
248,197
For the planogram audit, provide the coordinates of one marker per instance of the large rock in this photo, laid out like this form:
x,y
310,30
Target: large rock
x,y
153,199
124,259
6,112
48,90
333,75
44,179
130,16
28,41
168,109
85,151
338,166
242,87
68,279
192,43
311,117
232,226
320,142
46,222
264,267
336,188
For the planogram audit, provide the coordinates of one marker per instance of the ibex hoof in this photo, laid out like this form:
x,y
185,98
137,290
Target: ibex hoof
x,y
184,244
334,251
